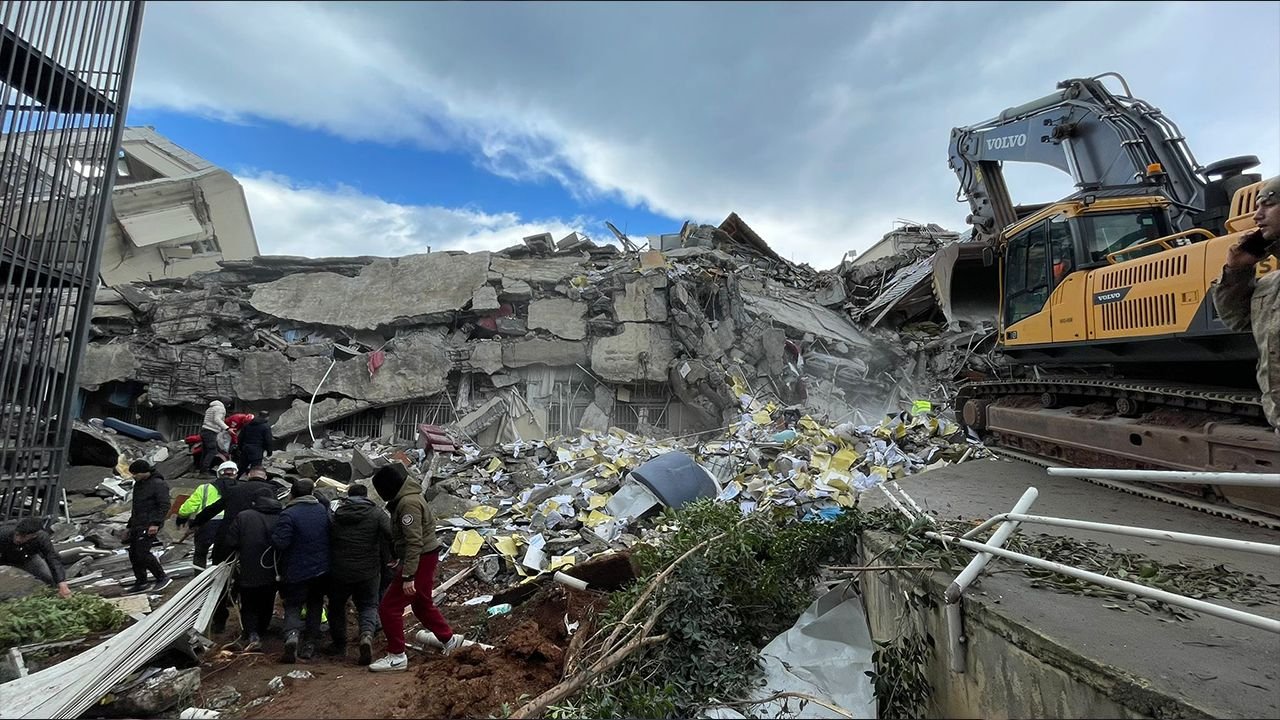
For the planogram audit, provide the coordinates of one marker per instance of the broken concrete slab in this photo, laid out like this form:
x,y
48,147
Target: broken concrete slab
x,y
515,290
640,352
265,375
416,366
803,316
541,271
17,583
387,292
561,316
485,356
543,352
294,420
155,694
105,363
642,300
485,299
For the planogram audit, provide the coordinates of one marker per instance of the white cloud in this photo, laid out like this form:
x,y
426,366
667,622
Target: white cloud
x,y
819,123
293,219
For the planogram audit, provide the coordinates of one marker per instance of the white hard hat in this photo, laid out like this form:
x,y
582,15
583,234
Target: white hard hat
x,y
228,465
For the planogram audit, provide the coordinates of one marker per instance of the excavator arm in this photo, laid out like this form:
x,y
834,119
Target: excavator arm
x,y
1101,139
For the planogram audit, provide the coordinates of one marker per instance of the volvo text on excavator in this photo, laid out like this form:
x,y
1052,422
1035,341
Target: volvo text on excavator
x,y
1116,355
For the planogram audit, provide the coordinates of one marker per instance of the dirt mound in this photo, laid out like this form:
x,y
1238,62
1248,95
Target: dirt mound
x,y
475,682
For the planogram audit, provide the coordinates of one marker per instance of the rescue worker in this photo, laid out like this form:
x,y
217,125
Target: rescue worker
x,y
359,537
149,511
301,540
255,441
202,497
215,423
26,545
1245,301
236,498
249,536
413,533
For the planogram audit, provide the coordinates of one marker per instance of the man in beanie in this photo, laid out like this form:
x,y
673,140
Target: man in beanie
x,y
27,546
413,534
1248,302
150,508
301,540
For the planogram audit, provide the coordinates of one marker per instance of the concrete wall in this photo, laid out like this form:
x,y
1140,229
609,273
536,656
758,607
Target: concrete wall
x,y
1011,670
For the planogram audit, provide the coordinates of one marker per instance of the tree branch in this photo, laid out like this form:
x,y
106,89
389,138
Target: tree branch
x,y
800,696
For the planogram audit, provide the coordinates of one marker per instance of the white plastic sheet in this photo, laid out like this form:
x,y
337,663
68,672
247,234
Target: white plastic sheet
x,y
826,655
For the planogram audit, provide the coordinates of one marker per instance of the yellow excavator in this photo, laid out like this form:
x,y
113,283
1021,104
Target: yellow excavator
x,y
1118,357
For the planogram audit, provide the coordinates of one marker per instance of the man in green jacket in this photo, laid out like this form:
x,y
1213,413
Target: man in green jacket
x,y
413,532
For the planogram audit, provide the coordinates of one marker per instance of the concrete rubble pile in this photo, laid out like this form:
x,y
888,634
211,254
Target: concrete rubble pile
x,y
553,397
566,334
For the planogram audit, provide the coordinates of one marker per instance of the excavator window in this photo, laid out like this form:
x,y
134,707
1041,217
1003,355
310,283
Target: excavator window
x,y
1109,232
1026,272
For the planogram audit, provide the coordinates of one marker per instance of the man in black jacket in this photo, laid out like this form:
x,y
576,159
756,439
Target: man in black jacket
x,y
236,498
250,537
26,545
359,543
150,509
255,441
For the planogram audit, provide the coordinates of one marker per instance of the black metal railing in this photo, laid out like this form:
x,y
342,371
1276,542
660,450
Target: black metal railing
x,y
65,73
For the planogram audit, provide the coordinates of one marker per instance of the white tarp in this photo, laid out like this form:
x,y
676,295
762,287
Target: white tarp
x,y
826,655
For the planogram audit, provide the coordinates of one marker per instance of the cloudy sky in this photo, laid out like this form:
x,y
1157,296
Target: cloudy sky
x,y
387,128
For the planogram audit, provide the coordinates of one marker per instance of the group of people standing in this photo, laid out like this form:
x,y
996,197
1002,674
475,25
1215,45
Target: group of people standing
x,y
321,559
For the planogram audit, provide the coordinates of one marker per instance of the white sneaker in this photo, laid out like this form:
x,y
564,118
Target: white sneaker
x,y
391,663
454,643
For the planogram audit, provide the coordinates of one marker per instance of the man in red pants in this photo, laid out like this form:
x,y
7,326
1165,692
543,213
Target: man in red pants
x,y
413,531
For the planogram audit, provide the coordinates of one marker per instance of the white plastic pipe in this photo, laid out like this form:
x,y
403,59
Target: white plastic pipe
x,y
1172,476
1153,534
570,581
312,404
1002,533
1208,608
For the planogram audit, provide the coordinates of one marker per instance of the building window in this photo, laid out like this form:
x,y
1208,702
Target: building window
x,y
186,422
641,404
435,410
363,424
566,405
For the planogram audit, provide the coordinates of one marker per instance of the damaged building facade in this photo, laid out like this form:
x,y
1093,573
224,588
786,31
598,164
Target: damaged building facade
x,y
541,339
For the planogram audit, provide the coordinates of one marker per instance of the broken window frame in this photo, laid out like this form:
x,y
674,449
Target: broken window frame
x,y
647,403
434,410
366,423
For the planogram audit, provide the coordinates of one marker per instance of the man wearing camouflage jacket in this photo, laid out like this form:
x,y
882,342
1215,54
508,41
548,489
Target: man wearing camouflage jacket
x,y
1245,301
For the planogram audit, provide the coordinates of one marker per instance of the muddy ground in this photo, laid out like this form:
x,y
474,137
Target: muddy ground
x,y
528,657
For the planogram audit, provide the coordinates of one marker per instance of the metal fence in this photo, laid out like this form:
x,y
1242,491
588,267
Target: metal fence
x,y
65,73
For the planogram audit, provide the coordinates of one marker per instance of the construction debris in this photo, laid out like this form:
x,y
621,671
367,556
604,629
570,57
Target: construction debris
x,y
552,398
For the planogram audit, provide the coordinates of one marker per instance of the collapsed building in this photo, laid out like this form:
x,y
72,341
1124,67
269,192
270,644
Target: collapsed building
x,y
540,339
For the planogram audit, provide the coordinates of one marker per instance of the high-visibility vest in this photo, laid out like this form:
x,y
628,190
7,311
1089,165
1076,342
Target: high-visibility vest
x,y
203,497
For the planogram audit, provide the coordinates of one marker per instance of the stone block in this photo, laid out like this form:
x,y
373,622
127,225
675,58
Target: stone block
x,y
485,299
642,300
106,363
641,352
553,353
265,375
17,583
561,316
515,290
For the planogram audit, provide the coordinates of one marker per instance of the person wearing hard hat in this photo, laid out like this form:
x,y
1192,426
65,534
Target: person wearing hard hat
x,y
1248,302
202,497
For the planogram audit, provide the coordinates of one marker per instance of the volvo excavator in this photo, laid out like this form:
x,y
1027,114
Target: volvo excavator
x,y
1116,355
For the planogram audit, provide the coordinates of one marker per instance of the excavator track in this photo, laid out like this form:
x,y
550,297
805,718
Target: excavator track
x,y
1114,423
